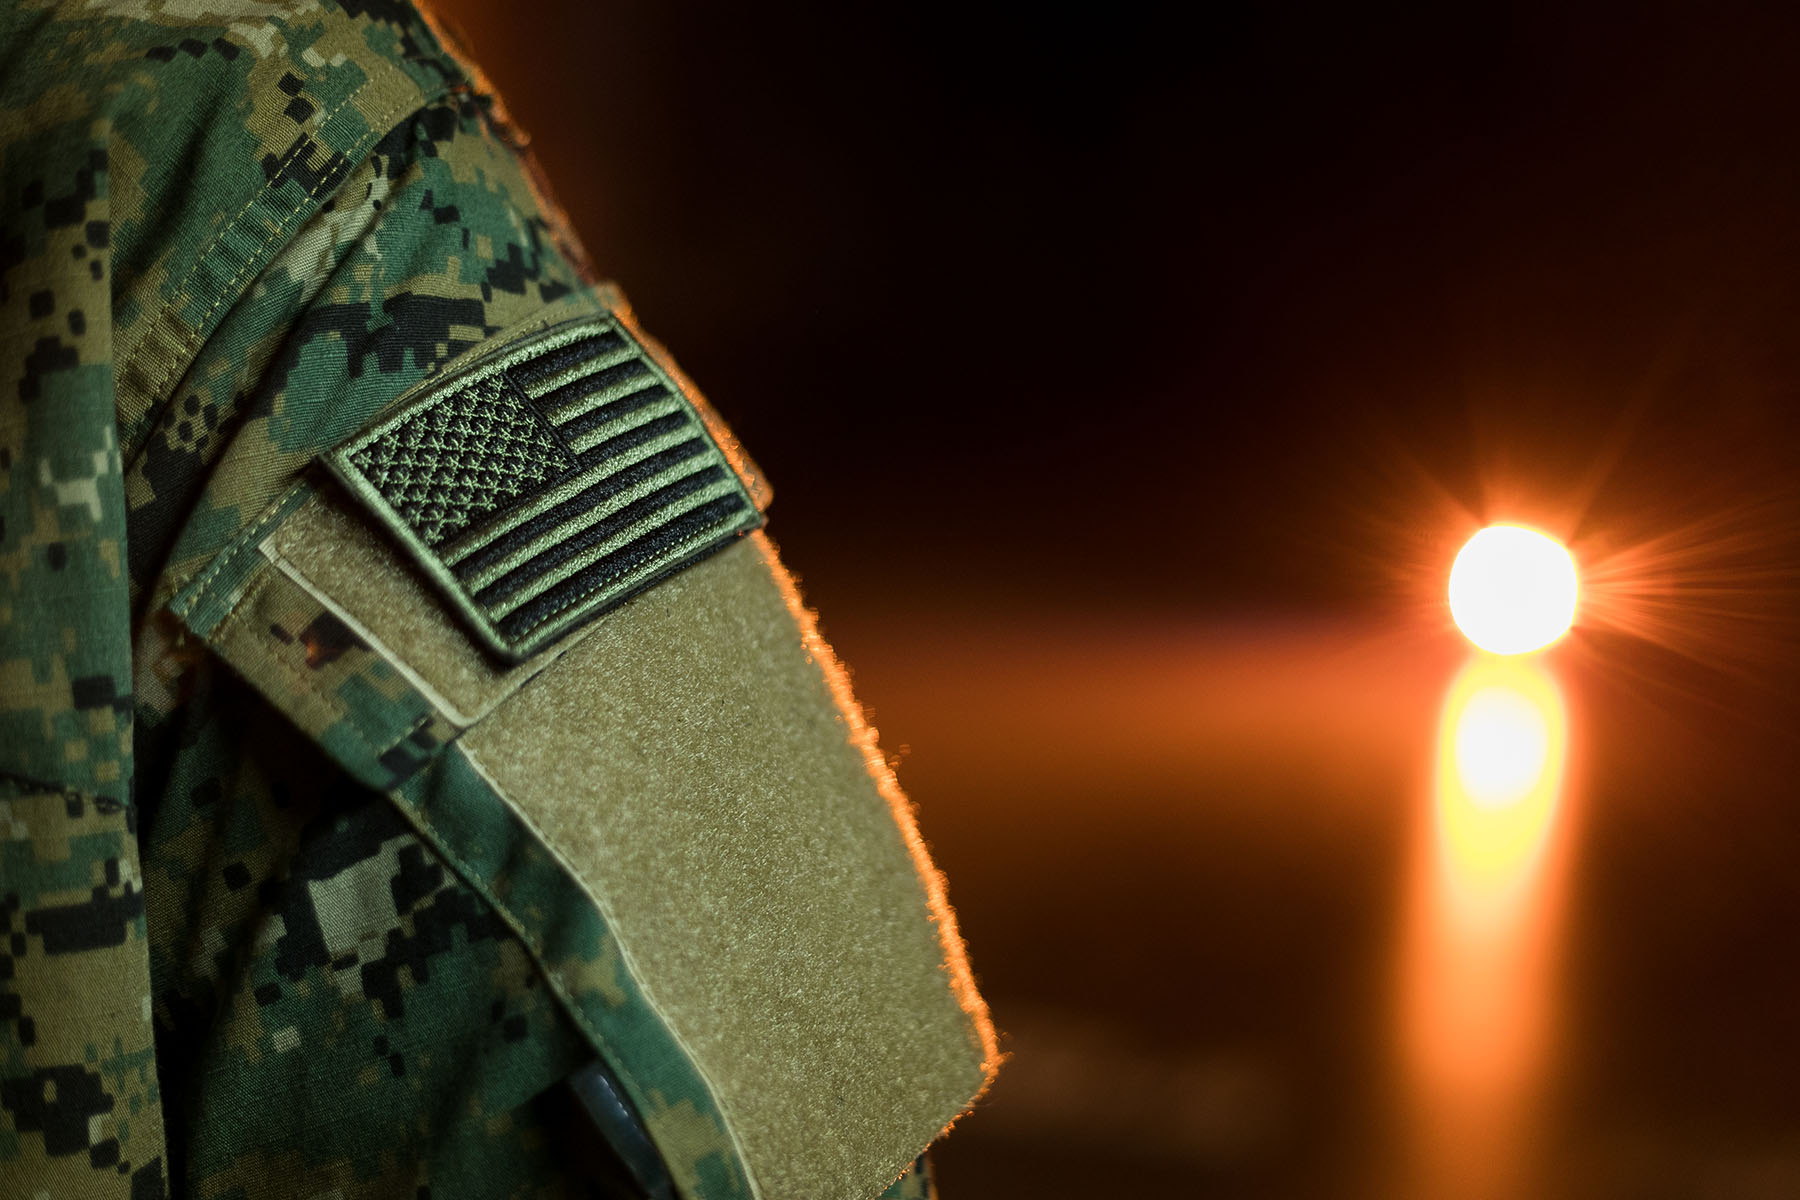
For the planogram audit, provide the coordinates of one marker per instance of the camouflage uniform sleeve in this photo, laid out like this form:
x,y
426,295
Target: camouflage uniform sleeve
x,y
190,215
79,1104
229,250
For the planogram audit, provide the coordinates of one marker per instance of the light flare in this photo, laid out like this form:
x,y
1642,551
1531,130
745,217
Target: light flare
x,y
1710,575
1500,761
1721,588
1484,913
1502,746
1513,590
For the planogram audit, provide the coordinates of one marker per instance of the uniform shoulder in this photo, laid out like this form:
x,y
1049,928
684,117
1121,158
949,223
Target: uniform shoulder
x,y
164,75
105,50
200,136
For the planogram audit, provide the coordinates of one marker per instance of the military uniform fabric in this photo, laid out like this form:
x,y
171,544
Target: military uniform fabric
x,y
270,930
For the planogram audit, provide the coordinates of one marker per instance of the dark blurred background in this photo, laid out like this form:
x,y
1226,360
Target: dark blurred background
x,y
1128,381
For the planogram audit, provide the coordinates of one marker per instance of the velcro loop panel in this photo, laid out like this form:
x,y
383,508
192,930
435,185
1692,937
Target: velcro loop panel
x,y
696,763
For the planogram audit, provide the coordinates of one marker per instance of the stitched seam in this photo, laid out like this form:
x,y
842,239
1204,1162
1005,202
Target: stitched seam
x,y
380,124
229,226
558,984
209,574
417,725
434,695
428,691
625,956
272,547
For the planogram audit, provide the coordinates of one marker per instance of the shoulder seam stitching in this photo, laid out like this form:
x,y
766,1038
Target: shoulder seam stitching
x,y
383,124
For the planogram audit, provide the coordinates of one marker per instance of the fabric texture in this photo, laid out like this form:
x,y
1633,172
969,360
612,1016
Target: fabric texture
x,y
243,955
79,1084
742,845
218,258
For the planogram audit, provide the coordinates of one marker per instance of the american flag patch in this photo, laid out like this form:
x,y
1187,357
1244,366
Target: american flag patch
x,y
547,484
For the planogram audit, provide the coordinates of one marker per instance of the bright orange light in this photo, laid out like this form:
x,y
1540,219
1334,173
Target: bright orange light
x,y
1499,769
1502,744
1512,590
1479,1002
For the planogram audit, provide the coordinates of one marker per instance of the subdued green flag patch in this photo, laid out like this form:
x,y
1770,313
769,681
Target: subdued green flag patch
x,y
549,482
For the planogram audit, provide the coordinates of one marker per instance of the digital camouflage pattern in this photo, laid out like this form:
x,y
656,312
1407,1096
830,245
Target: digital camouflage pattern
x,y
231,234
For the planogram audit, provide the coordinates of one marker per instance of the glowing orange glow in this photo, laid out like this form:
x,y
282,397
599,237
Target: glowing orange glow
x,y
1499,766
1502,746
1478,968
1512,590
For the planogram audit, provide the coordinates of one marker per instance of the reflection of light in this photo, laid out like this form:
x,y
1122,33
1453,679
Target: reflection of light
x,y
1512,590
1499,762
1501,746
1478,1000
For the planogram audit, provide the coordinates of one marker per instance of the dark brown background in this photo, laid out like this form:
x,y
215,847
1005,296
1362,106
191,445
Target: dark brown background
x,y
1127,384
